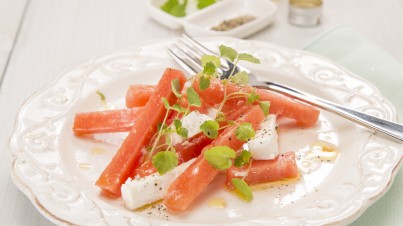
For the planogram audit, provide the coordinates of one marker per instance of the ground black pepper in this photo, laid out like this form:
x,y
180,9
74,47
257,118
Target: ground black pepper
x,y
233,23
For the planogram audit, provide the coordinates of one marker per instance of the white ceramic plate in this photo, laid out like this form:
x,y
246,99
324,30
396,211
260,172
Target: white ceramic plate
x,y
57,170
200,22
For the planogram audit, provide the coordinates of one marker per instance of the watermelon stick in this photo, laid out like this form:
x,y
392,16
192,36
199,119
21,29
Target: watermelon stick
x,y
261,171
121,120
138,95
279,104
129,155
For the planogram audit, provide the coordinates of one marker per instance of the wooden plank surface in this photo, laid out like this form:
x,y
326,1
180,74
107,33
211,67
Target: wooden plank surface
x,y
11,15
58,34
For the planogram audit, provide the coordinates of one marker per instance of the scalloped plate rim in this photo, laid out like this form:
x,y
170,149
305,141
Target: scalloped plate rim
x,y
13,153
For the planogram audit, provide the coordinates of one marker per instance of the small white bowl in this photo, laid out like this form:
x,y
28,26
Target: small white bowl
x,y
200,22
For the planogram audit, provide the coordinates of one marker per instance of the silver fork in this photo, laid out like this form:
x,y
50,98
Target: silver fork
x,y
188,51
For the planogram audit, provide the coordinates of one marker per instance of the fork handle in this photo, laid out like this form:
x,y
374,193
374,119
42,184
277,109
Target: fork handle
x,y
392,129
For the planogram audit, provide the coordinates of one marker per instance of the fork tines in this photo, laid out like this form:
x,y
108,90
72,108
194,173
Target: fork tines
x,y
188,52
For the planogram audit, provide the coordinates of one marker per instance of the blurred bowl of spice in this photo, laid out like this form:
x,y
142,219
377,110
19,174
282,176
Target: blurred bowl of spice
x,y
236,18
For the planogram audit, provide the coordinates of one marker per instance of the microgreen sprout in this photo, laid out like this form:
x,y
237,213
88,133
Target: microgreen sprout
x,y
210,64
245,132
193,97
161,127
181,131
242,159
167,160
253,96
241,78
242,189
265,106
164,161
220,117
220,157
210,128
175,87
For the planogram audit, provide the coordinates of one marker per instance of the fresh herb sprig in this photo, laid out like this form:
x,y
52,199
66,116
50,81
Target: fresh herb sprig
x,y
242,159
211,63
243,189
210,128
166,160
220,157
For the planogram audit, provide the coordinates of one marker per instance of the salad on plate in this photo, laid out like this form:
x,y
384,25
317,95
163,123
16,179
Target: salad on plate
x,y
341,168
184,132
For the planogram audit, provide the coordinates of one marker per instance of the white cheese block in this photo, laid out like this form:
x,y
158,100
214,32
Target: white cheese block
x,y
212,112
264,145
142,191
192,123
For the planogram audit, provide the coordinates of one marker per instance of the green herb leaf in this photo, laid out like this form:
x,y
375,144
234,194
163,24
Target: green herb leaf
x,y
178,108
166,103
209,68
240,78
265,106
175,86
220,117
243,189
177,123
204,3
242,159
210,128
244,132
183,132
193,97
220,157
249,58
165,161
101,96
204,82
210,58
253,96
228,52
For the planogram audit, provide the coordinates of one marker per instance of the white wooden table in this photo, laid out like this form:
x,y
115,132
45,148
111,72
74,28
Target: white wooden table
x,y
40,38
